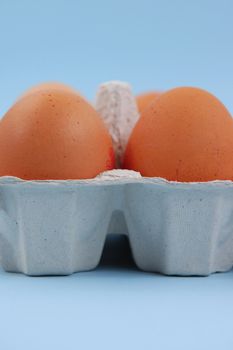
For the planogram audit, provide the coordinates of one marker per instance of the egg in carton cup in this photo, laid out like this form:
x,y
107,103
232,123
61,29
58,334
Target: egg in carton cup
x,y
58,227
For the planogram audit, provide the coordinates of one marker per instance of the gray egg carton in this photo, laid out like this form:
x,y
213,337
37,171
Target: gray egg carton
x,y
59,227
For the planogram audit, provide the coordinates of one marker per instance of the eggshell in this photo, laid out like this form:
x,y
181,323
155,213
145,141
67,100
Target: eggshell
x,y
144,100
47,86
187,135
54,134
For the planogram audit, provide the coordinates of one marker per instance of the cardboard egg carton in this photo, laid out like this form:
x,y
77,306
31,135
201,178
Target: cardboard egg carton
x,y
58,227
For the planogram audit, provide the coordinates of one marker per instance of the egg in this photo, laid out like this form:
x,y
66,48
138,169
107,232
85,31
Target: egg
x,y
144,100
187,135
54,134
48,86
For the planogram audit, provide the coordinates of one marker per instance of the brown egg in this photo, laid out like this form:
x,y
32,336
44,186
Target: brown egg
x,y
145,100
48,86
187,135
54,134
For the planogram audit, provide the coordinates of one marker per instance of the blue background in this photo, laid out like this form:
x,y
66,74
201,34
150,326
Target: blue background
x,y
152,45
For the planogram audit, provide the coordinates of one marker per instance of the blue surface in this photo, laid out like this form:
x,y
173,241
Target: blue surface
x,y
116,309
151,44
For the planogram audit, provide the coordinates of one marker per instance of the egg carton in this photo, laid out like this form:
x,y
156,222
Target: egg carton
x,y
58,227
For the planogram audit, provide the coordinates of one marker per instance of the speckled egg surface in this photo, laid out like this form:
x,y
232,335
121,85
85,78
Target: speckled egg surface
x,y
53,133
185,135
